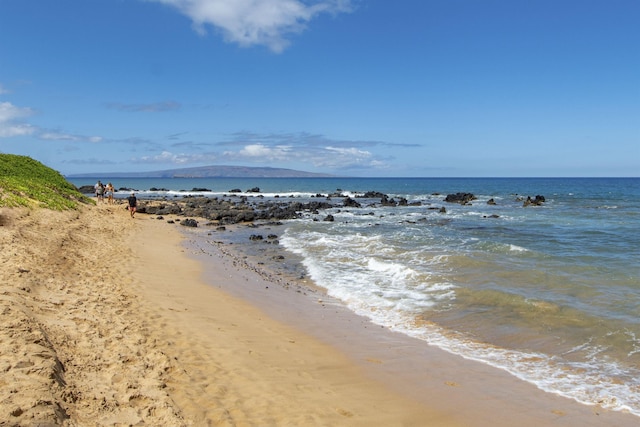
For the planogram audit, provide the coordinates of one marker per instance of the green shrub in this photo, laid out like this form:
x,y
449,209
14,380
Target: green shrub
x,y
27,182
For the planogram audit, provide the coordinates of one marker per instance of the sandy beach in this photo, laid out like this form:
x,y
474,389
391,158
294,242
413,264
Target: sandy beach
x,y
113,321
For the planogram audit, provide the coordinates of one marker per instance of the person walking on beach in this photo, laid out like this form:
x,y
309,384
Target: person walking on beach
x,y
110,190
133,203
99,191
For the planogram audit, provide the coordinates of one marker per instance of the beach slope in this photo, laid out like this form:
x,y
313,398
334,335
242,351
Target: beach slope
x,y
106,321
109,320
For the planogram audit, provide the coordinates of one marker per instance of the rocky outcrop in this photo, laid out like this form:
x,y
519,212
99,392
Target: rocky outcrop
x,y
372,195
189,222
87,189
234,208
350,203
536,201
461,198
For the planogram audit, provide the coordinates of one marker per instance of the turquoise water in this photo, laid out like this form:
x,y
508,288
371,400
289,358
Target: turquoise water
x,y
549,293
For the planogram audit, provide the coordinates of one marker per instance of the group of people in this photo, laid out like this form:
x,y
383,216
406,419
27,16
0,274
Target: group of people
x,y
108,190
104,190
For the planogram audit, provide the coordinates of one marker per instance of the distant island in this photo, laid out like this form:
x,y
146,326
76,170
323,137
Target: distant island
x,y
211,172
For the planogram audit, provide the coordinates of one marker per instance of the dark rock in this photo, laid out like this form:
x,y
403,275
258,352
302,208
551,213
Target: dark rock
x,y
189,222
235,190
350,203
256,237
385,201
462,198
491,202
234,209
87,189
373,195
253,190
537,201
329,218
244,216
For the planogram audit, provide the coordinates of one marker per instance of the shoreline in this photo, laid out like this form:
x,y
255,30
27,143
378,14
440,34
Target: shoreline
x,y
120,321
472,392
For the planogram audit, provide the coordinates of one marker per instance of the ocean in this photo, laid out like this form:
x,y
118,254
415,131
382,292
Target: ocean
x,y
549,293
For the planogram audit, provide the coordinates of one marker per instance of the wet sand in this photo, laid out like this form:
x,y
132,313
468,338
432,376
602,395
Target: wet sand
x,y
108,320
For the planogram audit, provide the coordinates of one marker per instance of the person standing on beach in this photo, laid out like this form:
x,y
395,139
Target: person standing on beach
x,y
110,190
99,191
133,203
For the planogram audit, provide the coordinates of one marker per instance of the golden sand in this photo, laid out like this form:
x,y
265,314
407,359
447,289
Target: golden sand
x,y
107,321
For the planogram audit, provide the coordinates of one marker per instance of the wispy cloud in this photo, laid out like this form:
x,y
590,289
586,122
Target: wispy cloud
x,y
167,157
11,120
60,136
256,22
326,157
12,124
156,107
90,161
306,139
301,150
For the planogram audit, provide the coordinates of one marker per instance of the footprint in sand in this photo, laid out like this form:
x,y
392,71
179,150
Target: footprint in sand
x,y
344,412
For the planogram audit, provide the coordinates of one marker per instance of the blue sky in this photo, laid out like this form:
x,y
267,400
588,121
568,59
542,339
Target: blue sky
x,y
349,87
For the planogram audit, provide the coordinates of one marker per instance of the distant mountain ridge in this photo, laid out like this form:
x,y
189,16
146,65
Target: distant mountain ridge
x,y
213,171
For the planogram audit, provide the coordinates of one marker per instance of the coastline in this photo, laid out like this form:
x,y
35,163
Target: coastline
x,y
469,392
114,321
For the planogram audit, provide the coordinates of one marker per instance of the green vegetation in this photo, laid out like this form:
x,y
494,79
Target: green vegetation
x,y
27,182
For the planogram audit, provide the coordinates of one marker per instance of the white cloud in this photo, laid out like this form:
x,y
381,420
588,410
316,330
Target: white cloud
x,y
9,130
256,22
178,159
10,117
12,124
9,112
350,152
58,136
295,149
346,157
323,157
298,151
280,152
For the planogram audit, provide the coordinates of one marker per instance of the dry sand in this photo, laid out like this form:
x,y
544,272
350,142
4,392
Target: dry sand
x,y
110,321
